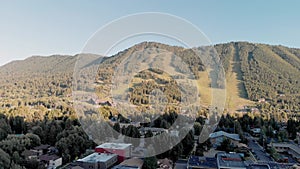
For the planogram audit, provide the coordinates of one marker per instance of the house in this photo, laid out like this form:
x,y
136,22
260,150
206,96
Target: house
x,y
121,149
51,161
217,138
230,161
30,155
196,162
164,164
261,100
254,110
135,124
154,130
133,163
42,149
98,161
255,131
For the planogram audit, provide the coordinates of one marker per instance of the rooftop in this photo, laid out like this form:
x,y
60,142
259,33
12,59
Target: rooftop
x,y
133,162
259,166
275,165
228,135
27,153
153,129
119,146
230,160
284,144
47,157
207,162
42,147
97,157
124,167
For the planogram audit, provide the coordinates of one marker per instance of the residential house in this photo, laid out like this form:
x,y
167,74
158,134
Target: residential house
x,y
51,161
30,155
42,149
164,164
218,137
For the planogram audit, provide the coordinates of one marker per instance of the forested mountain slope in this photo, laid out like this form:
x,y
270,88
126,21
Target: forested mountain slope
x,y
253,71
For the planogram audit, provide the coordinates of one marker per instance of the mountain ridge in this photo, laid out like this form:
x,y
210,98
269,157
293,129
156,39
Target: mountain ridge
x,y
265,71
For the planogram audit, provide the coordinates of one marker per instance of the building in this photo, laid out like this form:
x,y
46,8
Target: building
x,y
51,161
98,161
291,149
273,165
30,155
154,130
218,137
42,149
259,166
196,162
164,164
255,131
230,161
298,138
133,163
121,149
181,164
261,100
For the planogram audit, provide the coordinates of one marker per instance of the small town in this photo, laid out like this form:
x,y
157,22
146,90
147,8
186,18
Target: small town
x,y
149,84
225,149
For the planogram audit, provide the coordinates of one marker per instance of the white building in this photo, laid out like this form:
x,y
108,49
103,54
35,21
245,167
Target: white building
x,y
98,161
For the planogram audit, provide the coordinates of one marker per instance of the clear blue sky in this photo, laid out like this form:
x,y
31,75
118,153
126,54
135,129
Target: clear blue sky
x,y
35,27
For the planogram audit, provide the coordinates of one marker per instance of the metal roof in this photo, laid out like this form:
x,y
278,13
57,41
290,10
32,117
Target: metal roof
x,y
116,146
97,157
224,134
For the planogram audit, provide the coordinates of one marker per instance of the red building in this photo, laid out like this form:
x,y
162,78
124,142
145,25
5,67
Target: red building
x,y
121,149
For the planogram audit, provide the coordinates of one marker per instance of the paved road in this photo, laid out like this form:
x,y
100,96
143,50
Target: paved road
x,y
258,151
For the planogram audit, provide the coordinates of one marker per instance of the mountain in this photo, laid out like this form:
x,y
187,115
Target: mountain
x,y
253,71
263,71
42,64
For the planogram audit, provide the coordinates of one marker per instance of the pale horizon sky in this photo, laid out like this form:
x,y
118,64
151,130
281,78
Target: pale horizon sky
x,y
34,27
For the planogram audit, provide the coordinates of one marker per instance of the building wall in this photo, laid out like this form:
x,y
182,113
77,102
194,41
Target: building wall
x,y
55,163
122,154
88,165
98,165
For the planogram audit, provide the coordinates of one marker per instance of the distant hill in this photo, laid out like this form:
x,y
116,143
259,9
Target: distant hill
x,y
43,64
253,71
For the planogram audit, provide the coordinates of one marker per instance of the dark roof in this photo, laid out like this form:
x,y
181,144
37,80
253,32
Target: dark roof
x,y
27,153
275,165
47,157
197,161
42,147
259,166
